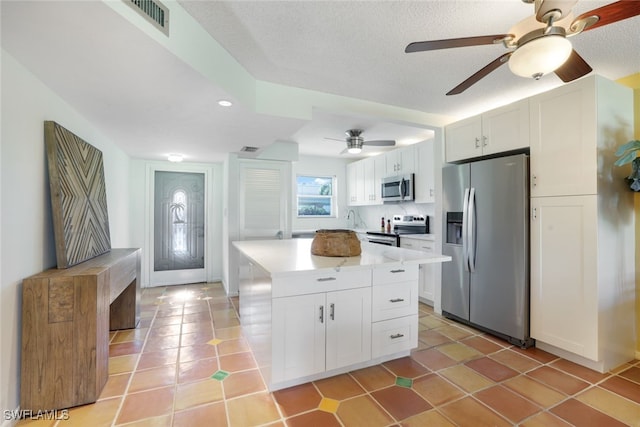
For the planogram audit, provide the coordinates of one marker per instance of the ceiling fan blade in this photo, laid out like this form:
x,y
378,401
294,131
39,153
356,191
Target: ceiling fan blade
x,y
334,139
614,12
381,143
450,43
574,68
480,74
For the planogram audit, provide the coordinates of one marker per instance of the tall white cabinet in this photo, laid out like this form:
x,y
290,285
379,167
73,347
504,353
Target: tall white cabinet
x,y
582,224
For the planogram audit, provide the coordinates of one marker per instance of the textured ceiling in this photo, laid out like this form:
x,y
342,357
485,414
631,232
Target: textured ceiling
x,y
151,101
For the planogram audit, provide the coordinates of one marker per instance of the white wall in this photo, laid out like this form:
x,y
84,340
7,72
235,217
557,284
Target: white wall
x,y
27,245
141,213
322,166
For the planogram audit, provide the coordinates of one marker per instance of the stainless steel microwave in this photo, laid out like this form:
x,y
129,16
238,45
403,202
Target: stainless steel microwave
x,y
398,188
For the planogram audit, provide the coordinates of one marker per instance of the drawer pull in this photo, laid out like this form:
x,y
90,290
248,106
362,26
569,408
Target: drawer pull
x,y
396,300
394,336
326,279
400,270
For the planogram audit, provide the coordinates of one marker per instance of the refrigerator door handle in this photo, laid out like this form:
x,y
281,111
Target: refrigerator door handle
x,y
472,230
465,235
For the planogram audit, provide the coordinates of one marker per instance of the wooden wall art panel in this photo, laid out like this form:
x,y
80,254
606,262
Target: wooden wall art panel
x,y
78,196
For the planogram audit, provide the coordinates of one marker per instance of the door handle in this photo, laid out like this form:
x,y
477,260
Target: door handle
x,y
472,230
465,236
322,314
280,234
332,311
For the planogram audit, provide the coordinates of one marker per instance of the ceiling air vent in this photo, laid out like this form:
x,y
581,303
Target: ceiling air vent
x,y
249,149
153,11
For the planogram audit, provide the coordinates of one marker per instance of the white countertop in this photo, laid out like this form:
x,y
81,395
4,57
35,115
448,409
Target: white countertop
x,y
291,256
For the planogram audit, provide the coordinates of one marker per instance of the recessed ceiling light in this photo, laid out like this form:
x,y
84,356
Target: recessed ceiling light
x,y
225,103
175,158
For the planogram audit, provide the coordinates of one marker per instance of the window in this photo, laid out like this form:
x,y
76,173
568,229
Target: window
x,y
316,196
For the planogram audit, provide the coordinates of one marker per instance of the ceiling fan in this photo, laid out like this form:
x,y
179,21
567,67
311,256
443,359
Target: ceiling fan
x,y
355,141
538,45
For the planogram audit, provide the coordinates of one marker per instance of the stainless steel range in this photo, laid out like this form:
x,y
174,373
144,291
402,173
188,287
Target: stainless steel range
x,y
401,224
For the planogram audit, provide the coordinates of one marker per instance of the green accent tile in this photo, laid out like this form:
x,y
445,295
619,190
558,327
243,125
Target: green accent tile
x,y
404,382
220,375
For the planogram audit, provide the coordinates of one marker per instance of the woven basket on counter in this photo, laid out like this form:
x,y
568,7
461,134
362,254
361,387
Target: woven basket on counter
x,y
338,243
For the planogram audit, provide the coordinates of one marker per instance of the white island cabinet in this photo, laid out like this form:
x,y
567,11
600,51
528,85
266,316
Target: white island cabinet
x,y
308,317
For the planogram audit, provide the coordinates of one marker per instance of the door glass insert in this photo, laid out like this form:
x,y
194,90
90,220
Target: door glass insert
x,y
178,221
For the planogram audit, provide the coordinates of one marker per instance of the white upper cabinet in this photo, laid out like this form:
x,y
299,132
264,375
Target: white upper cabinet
x,y
425,179
496,131
400,161
463,139
352,178
365,176
563,141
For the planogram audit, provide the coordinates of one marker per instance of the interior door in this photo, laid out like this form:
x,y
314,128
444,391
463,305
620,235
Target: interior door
x,y
264,193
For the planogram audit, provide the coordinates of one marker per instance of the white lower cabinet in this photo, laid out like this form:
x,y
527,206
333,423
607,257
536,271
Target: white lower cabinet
x,y
428,272
395,310
564,274
394,335
582,279
322,323
320,332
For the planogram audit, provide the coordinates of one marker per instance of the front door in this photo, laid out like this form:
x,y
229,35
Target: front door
x,y
178,243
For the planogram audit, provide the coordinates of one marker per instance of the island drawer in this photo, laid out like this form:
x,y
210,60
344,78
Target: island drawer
x,y
395,274
394,300
393,336
314,282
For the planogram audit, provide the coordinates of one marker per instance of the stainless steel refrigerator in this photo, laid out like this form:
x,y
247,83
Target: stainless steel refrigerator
x,y
486,225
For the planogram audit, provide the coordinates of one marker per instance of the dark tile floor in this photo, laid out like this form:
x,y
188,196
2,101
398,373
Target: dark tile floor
x,y
188,365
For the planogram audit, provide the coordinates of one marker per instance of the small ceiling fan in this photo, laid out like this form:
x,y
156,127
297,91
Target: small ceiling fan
x,y
538,45
355,141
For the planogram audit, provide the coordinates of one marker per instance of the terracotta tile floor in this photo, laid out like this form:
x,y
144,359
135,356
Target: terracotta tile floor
x,y
188,364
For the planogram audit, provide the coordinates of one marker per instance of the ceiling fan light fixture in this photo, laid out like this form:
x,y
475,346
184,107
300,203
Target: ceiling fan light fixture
x,y
354,150
540,56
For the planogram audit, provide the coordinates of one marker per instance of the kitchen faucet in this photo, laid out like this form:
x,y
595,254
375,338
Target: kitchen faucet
x,y
351,211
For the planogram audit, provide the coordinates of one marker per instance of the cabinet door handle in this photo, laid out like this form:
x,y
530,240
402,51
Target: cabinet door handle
x,y
534,180
484,141
431,192
325,279
332,311
398,271
322,314
396,300
534,213
394,336
477,142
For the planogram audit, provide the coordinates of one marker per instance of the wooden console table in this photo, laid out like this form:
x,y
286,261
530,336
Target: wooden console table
x,y
66,318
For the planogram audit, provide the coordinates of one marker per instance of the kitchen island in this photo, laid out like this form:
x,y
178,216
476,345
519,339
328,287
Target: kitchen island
x,y
308,317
